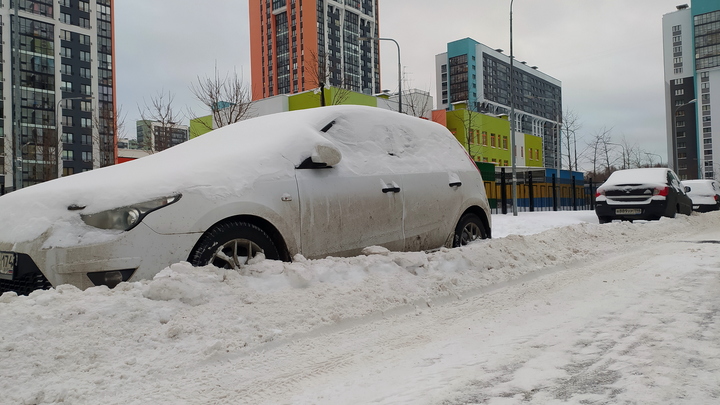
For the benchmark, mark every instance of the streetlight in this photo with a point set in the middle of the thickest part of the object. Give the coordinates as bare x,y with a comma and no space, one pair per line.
623,153
676,163
512,121
58,130
653,154
399,66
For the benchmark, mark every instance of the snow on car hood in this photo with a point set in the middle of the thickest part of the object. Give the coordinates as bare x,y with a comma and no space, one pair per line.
222,164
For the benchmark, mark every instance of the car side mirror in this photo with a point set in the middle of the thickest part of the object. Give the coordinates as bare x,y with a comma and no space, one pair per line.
322,157
325,154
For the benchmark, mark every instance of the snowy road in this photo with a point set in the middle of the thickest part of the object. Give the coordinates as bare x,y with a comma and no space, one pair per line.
627,329
582,314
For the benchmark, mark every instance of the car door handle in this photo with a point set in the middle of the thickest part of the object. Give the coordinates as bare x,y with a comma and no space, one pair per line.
456,184
393,189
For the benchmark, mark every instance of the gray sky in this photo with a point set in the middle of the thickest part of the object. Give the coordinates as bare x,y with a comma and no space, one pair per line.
606,53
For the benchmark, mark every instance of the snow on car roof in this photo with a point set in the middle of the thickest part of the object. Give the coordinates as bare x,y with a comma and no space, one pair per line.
654,175
699,186
224,162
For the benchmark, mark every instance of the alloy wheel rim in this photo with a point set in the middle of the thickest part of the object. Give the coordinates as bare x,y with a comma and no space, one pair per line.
470,233
235,254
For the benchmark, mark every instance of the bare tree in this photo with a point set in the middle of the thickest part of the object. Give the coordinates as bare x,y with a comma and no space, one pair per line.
319,73
107,128
467,119
599,154
228,98
570,125
161,112
417,103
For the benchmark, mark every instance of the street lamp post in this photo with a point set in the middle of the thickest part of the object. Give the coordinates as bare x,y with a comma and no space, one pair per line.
399,66
59,132
512,120
676,162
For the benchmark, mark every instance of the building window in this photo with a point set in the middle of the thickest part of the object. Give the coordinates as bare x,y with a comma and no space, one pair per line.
66,86
679,92
492,140
67,171
67,121
65,52
85,56
484,138
87,156
67,155
85,122
86,139
65,18
66,69
67,137
505,142
678,81
86,106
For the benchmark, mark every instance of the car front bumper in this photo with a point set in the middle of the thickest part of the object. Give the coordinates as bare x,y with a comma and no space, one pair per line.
137,254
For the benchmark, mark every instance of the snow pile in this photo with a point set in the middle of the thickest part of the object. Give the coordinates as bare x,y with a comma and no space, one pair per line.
97,343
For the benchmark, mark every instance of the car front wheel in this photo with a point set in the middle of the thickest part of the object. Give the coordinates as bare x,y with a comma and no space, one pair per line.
231,245
469,228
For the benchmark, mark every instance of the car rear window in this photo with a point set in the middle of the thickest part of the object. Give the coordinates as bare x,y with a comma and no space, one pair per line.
638,176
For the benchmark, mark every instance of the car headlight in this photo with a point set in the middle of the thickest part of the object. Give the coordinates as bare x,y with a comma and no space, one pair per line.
125,218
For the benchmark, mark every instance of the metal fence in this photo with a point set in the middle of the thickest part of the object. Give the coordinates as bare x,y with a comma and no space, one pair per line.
540,193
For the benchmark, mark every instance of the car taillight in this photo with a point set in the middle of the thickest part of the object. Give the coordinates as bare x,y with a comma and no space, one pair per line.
598,193
717,198
664,191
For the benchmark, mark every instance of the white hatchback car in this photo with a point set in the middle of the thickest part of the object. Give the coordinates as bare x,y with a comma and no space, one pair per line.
318,182
705,194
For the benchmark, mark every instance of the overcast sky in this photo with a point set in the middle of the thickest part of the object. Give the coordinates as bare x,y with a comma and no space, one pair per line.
607,53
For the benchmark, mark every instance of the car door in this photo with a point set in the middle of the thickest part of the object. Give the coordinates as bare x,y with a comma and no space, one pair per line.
348,207
683,200
432,202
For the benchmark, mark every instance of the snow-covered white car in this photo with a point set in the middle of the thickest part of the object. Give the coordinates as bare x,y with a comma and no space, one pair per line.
705,194
320,182
645,193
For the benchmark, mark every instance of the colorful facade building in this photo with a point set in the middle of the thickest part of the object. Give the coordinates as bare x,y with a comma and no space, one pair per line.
476,78
298,45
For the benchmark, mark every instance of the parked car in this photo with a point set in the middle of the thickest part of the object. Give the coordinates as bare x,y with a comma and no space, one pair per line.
705,194
648,193
317,182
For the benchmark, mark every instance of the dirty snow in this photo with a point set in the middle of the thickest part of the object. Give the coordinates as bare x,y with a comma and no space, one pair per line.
554,309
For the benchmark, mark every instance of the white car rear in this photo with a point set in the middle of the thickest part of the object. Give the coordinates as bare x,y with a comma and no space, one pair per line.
705,194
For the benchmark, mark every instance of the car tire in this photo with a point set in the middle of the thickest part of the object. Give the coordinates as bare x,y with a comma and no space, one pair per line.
230,245
469,228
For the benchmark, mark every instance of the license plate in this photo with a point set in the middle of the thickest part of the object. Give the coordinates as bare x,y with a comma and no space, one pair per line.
7,264
628,211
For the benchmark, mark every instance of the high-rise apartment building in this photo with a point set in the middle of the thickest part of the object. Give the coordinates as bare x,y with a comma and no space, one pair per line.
296,45
156,136
691,44
58,98
478,77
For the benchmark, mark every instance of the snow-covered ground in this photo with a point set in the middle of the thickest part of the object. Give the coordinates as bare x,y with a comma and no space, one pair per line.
555,309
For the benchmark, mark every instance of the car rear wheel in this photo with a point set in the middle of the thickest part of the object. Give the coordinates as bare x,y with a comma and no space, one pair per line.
231,245
469,228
